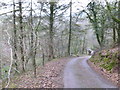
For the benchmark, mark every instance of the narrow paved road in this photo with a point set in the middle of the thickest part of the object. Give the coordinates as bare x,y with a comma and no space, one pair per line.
78,74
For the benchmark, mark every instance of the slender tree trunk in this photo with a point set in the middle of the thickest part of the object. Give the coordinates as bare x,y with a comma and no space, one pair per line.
0,69
98,38
21,36
114,27
14,37
43,57
83,47
96,28
96,25
118,42
62,50
35,53
102,35
33,47
51,52
114,33
69,39
118,30
31,35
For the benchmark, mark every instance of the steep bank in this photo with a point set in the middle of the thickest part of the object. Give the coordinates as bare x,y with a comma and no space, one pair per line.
105,62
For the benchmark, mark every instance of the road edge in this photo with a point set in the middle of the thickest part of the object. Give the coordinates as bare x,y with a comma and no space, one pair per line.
99,72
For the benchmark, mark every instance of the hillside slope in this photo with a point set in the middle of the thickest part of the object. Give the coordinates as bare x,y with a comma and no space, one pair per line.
105,62
48,76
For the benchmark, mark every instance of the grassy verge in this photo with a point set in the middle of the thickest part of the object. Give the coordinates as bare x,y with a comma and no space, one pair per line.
107,59
105,62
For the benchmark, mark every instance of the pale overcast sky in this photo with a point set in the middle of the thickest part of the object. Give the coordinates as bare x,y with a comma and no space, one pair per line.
78,4
82,3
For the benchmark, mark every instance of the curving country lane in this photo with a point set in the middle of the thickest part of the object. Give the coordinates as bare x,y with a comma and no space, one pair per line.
78,74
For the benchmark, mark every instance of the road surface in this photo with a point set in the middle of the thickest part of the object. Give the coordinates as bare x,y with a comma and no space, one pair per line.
78,74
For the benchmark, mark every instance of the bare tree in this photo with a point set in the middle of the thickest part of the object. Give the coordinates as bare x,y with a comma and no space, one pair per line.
33,50
21,37
14,37
69,39
51,51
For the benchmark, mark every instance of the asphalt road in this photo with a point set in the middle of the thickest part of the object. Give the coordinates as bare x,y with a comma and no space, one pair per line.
78,74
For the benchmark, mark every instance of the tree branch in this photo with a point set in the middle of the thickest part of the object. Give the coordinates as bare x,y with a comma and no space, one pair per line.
109,9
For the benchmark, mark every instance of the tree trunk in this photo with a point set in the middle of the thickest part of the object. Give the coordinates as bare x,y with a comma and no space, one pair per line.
102,34
97,35
21,36
114,33
118,30
118,42
33,47
34,53
69,39
83,47
43,57
51,52
117,20
14,37
96,28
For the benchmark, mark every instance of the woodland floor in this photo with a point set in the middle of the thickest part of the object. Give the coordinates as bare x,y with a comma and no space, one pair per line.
49,76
